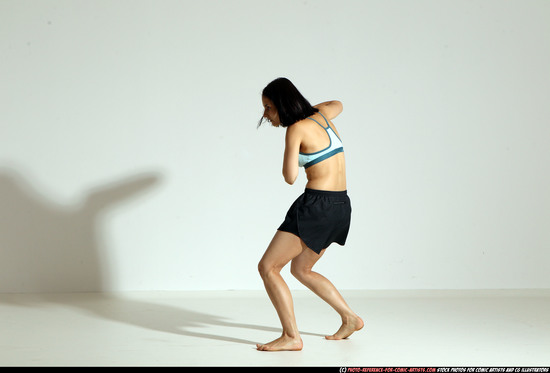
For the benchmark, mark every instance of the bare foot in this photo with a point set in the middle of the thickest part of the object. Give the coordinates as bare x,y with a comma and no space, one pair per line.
349,326
284,343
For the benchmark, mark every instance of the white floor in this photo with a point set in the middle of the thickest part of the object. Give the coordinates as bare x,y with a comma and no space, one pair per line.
403,328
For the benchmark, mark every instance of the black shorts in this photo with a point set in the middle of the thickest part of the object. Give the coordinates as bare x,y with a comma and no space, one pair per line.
319,218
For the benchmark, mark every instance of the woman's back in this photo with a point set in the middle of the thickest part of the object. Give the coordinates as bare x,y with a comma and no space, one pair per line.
330,172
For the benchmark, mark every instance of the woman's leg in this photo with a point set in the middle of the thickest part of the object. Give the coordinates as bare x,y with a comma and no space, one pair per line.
283,248
301,269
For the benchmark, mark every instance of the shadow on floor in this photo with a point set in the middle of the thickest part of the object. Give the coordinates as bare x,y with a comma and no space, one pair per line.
143,314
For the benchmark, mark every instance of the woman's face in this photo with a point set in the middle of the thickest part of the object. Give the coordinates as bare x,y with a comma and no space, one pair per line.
270,112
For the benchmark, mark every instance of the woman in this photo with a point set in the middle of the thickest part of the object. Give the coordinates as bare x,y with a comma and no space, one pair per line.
317,218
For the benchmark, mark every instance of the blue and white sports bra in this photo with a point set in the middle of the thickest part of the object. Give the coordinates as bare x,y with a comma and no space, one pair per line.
309,159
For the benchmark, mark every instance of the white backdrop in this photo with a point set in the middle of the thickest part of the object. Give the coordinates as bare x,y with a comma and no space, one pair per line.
130,159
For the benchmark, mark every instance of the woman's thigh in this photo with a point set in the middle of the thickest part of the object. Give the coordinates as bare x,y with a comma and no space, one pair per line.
283,248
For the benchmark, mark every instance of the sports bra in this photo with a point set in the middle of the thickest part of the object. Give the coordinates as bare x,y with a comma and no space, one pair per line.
309,159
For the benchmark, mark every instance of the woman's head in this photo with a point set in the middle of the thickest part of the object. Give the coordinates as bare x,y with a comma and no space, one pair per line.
283,104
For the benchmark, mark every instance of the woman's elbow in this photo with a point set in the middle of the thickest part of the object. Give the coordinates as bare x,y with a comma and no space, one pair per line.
337,108
290,181
290,178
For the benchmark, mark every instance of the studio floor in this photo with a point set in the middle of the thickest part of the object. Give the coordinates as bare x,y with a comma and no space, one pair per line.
402,328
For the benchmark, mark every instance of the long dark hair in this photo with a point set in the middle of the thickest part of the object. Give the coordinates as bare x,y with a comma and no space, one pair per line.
288,101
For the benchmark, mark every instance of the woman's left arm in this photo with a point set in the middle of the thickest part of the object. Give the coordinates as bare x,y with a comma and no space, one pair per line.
292,149
330,109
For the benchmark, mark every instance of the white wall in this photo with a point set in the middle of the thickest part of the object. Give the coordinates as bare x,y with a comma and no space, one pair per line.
130,159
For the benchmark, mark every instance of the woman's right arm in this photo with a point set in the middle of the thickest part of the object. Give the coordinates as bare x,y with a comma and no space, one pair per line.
330,109
292,148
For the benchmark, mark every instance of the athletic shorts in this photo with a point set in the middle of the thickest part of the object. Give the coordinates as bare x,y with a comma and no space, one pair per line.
319,218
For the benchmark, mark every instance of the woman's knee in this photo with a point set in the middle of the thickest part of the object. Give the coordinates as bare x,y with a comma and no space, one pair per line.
299,271
262,268
266,269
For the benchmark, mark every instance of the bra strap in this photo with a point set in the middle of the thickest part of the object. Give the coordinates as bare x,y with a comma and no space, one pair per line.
316,122
328,124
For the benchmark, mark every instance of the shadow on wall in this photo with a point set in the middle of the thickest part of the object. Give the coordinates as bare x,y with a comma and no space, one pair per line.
45,247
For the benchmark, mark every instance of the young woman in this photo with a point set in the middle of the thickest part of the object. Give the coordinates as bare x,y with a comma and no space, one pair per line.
319,217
